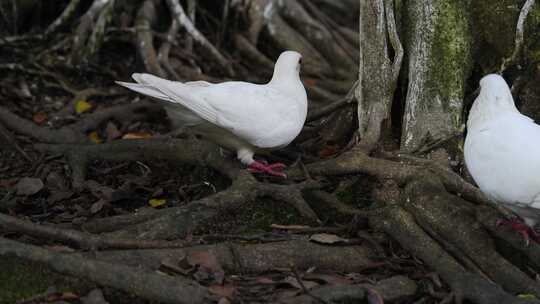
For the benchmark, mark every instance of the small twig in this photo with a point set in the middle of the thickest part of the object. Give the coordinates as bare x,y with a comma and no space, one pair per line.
192,13
8,136
68,12
304,289
518,41
164,49
322,111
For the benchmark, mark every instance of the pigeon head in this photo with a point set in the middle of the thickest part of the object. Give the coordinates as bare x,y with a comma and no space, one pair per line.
494,100
287,66
286,76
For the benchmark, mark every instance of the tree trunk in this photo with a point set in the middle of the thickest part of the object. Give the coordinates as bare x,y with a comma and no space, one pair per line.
438,44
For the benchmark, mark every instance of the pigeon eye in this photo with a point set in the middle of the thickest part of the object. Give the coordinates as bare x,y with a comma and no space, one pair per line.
300,61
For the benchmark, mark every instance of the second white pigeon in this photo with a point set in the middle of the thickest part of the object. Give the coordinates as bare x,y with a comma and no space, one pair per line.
502,152
237,115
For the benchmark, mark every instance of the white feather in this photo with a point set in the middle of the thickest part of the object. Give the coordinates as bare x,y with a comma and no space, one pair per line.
238,115
502,150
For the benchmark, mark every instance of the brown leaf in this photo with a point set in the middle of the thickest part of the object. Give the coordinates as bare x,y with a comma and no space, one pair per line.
58,196
328,151
209,266
112,131
28,186
265,280
289,227
224,291
327,279
39,117
97,206
294,283
137,135
224,301
176,265
326,238
374,297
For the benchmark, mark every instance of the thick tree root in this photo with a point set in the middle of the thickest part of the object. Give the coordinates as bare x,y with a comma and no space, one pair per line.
143,283
254,258
402,226
180,221
76,132
390,290
451,218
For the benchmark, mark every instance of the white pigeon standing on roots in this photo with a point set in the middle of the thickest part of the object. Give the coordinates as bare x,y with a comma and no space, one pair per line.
502,153
237,115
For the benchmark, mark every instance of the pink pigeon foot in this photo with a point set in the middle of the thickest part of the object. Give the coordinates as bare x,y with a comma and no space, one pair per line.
523,229
263,167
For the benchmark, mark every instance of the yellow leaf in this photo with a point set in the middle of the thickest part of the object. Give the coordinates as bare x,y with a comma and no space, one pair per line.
157,202
82,106
526,296
94,137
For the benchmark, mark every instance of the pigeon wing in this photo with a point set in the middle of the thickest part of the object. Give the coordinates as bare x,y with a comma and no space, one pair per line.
259,114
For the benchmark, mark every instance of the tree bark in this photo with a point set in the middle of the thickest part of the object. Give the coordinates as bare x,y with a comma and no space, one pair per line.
439,62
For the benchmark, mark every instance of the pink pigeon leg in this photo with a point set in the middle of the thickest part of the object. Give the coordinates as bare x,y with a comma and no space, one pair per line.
526,232
260,167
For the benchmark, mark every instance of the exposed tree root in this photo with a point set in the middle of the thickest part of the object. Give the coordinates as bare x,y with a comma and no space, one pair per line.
402,226
179,14
143,283
76,132
254,258
178,222
391,289
145,39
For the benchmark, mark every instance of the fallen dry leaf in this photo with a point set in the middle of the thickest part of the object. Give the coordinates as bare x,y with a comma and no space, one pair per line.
28,186
294,283
224,291
94,137
136,135
327,279
39,118
112,131
223,301
59,195
82,106
326,238
157,202
328,151
97,206
373,296
288,227
209,267
176,266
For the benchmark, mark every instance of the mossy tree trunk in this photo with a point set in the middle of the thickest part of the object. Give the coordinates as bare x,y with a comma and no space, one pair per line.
438,46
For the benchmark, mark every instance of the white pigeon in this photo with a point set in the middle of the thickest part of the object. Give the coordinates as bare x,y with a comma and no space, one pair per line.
237,115
502,152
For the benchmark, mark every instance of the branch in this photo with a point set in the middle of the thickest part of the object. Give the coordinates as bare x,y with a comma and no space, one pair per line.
164,49
179,14
518,41
67,14
145,40
85,26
